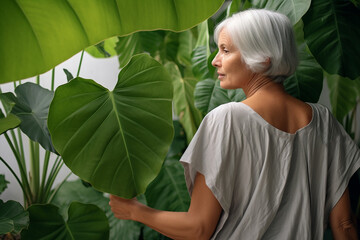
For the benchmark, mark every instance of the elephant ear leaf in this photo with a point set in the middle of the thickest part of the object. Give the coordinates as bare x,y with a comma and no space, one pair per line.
116,140
31,107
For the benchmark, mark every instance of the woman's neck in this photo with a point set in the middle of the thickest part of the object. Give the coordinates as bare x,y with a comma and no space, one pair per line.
259,84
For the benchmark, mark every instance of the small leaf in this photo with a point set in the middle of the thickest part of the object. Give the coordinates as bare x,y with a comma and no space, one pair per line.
85,221
103,49
3,183
69,76
8,100
15,212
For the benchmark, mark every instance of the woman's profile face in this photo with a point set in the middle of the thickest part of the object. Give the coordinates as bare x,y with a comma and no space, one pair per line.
233,72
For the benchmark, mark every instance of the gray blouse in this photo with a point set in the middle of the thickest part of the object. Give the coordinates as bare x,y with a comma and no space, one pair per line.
269,183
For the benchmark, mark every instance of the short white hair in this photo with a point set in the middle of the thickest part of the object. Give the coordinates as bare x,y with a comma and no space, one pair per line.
265,40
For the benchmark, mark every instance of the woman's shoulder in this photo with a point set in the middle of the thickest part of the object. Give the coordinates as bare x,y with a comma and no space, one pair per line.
229,110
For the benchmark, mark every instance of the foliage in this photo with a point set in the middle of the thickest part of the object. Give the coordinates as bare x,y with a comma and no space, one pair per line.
69,28
83,221
13,217
3,183
326,33
95,127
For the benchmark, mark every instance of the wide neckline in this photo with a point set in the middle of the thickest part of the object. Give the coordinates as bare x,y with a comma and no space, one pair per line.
279,130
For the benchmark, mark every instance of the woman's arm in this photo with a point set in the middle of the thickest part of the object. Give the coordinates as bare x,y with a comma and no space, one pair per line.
198,223
342,221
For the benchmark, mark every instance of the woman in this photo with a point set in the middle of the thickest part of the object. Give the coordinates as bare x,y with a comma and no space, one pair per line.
270,167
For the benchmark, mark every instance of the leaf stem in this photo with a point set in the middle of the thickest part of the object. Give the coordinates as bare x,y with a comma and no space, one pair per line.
44,173
58,187
17,179
52,79
34,169
81,59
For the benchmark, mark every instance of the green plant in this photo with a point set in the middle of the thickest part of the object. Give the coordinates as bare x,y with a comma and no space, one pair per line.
320,27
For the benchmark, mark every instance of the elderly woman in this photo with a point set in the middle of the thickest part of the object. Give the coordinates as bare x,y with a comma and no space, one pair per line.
270,167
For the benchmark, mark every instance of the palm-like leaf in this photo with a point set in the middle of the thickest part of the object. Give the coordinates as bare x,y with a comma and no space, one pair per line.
116,140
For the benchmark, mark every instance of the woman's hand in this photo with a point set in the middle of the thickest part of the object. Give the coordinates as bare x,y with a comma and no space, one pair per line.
123,208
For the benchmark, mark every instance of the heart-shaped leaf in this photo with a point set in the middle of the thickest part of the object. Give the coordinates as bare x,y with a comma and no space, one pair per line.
85,221
294,9
116,140
38,35
189,116
32,107
209,95
332,32
12,213
76,191
307,82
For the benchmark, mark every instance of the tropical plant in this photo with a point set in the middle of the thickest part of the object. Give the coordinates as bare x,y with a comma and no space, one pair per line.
326,35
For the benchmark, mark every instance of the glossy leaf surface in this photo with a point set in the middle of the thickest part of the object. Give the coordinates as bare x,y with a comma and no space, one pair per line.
32,107
116,140
38,35
76,191
3,183
332,32
85,221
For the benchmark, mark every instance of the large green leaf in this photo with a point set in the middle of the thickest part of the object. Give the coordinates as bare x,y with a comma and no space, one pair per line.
85,221
294,9
32,107
116,140
103,49
332,32
307,82
13,211
3,183
6,225
76,191
209,95
189,116
38,35
343,94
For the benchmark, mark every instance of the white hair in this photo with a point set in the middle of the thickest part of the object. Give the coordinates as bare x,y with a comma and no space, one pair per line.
265,40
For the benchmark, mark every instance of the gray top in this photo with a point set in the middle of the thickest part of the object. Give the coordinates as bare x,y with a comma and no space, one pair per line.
271,184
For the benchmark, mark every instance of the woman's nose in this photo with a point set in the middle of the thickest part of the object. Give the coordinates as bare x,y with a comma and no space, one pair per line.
216,61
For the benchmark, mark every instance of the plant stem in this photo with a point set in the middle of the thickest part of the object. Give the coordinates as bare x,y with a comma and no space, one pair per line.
52,79
34,169
27,192
44,173
81,59
38,79
52,178
16,144
22,155
58,187
17,179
